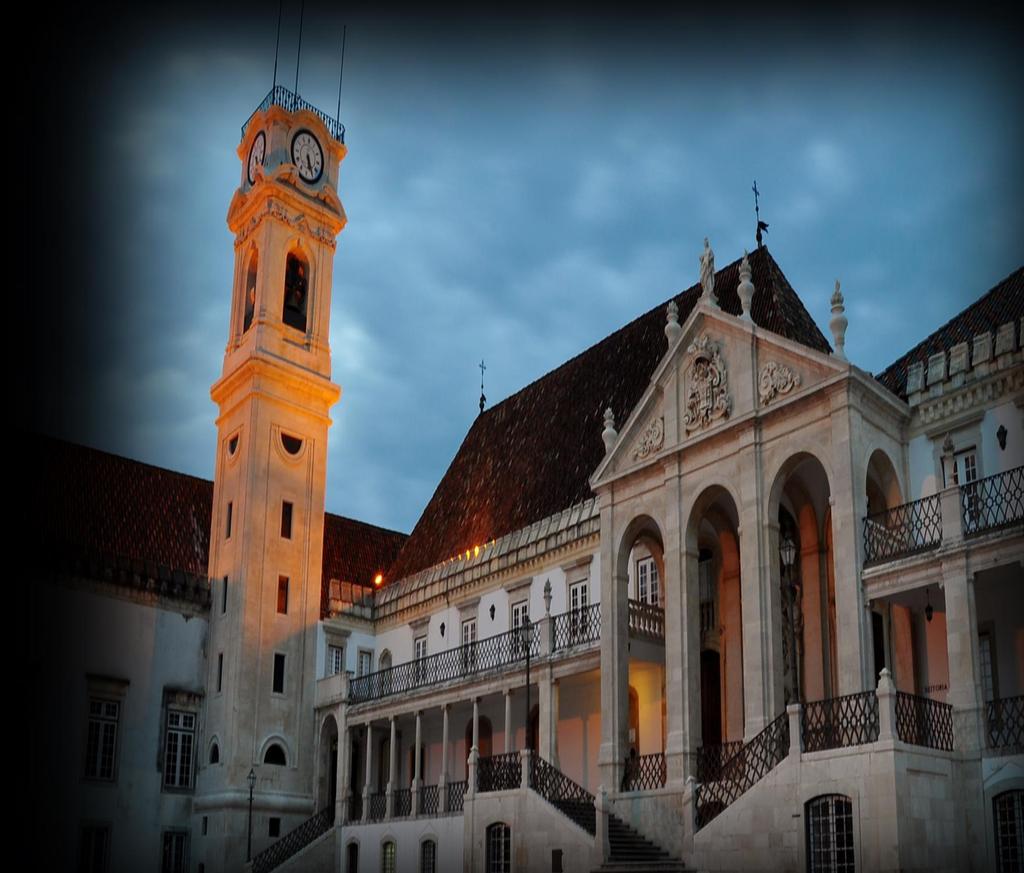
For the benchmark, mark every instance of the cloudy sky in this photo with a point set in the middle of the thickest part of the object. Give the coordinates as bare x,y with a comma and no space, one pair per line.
516,190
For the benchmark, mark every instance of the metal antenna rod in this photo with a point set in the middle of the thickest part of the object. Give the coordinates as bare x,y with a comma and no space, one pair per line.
277,45
483,400
298,55
341,78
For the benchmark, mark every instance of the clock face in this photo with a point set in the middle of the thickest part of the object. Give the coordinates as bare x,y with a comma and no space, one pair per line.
257,152
307,156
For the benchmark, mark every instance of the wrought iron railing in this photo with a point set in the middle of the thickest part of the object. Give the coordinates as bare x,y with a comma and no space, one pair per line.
558,789
1005,718
293,841
287,99
499,772
355,807
743,770
456,795
378,806
482,656
850,720
993,502
922,721
903,530
711,759
576,627
644,773
429,800
401,805
646,620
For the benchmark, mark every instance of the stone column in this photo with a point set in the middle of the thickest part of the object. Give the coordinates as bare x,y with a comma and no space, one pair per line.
389,800
547,690
342,778
962,652
886,692
369,772
508,720
614,655
416,775
601,835
677,740
442,789
476,725
793,712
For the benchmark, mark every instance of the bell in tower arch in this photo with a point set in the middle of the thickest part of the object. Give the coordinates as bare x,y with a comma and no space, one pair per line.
250,292
296,292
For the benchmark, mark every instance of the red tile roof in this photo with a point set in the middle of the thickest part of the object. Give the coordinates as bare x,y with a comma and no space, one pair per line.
113,512
1005,302
532,455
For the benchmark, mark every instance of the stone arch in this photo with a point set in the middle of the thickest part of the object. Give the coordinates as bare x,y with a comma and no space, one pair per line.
249,287
297,286
327,762
272,741
882,483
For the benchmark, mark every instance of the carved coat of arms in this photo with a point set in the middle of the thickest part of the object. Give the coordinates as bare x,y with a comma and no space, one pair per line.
707,385
775,379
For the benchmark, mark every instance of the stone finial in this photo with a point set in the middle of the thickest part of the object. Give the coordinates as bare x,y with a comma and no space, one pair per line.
609,434
948,446
547,597
745,289
837,323
707,273
672,328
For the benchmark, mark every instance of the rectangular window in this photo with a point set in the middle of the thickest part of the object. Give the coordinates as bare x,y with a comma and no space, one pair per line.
469,631
227,525
365,663
647,587
179,749
335,660
175,855
274,827
279,673
286,520
419,655
282,595
224,597
94,849
578,615
220,672
989,685
205,825
101,746
520,615
469,644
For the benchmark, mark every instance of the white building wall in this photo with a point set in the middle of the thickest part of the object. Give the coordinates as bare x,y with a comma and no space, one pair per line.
408,835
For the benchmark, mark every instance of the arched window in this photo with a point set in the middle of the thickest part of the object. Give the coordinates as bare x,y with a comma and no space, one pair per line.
296,292
499,848
428,857
830,834
1008,811
214,754
250,292
387,857
274,755
353,857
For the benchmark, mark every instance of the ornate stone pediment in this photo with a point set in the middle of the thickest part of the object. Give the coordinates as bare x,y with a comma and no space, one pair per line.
706,385
651,440
775,379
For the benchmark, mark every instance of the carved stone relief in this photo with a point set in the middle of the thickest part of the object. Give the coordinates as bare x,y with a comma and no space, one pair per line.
775,379
651,440
707,385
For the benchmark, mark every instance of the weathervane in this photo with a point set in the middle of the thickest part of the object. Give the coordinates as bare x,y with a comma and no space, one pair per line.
483,399
761,225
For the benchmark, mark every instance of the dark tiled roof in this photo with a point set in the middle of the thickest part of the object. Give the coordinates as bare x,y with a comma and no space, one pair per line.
108,514
532,455
1003,303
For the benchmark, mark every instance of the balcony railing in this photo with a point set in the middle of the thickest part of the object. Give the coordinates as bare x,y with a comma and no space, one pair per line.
355,807
560,791
711,759
292,102
993,502
456,795
922,721
430,796
499,772
378,806
646,620
903,530
851,720
294,841
482,656
402,803
1005,719
644,773
577,627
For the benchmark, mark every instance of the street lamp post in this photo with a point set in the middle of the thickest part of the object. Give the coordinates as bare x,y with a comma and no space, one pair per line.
526,632
252,785
787,551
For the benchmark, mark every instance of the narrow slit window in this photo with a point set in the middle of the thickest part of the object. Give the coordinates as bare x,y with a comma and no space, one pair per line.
282,595
224,597
227,526
279,674
286,520
220,671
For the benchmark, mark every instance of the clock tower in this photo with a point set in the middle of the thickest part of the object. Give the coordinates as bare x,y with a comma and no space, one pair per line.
266,546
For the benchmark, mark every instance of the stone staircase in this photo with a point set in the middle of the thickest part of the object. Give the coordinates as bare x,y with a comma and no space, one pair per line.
294,842
631,852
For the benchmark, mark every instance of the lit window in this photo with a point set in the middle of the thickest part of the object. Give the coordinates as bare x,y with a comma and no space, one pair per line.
101,747
335,660
179,745
387,857
282,595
